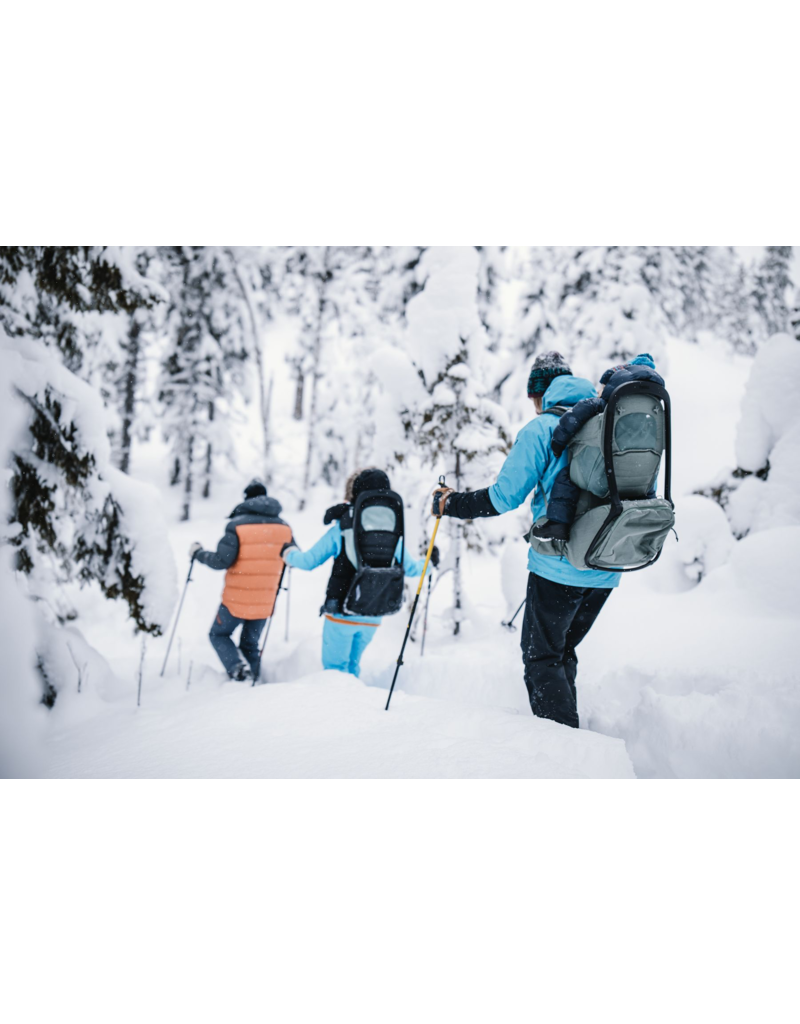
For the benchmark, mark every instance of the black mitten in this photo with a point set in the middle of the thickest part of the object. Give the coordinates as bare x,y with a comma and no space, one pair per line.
335,512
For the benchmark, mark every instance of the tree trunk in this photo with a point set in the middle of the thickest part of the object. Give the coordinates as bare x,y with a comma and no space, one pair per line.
129,382
207,466
298,394
267,437
265,397
176,472
187,486
315,375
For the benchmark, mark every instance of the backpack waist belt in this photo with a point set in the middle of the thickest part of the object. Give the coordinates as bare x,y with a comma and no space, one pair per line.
351,622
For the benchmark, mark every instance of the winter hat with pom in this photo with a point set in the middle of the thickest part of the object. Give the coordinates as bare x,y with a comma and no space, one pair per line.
254,489
546,367
645,359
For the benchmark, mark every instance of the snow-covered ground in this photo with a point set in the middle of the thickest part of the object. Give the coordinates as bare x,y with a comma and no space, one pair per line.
676,678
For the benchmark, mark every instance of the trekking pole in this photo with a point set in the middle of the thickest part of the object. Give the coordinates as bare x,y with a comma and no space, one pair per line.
180,606
288,595
510,624
416,602
425,620
269,623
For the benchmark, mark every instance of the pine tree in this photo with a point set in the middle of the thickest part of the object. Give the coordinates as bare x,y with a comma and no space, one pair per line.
202,366
456,427
772,282
519,297
128,384
73,520
608,313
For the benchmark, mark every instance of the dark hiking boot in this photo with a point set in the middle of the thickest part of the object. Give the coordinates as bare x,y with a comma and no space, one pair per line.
551,531
242,673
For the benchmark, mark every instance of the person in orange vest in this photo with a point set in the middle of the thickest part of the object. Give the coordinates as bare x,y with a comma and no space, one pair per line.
250,551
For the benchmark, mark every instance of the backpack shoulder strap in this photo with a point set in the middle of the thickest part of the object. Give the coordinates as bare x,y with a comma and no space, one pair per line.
557,410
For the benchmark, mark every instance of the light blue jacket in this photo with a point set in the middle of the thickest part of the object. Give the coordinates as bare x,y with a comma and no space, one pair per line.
532,464
330,544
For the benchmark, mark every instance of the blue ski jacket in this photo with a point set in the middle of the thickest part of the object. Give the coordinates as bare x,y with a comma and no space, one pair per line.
532,465
330,545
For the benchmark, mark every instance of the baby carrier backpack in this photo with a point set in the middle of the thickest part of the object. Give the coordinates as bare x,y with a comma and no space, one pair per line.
370,535
615,459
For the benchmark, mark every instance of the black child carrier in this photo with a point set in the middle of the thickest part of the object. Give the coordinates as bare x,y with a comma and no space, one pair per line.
614,459
370,545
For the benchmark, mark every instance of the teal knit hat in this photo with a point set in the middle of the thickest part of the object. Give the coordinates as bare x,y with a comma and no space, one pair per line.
546,367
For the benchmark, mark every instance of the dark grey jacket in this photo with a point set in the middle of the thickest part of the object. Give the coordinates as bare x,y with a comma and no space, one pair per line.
255,510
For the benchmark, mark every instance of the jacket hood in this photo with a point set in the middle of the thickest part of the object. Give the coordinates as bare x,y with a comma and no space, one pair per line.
261,505
568,391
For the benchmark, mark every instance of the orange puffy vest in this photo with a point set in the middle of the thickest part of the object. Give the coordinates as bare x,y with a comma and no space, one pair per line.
251,583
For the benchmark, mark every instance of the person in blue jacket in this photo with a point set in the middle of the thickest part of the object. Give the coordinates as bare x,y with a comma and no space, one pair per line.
562,602
346,637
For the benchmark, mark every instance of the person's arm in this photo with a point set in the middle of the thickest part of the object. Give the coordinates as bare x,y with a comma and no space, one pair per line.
226,554
572,421
328,546
470,504
411,566
518,476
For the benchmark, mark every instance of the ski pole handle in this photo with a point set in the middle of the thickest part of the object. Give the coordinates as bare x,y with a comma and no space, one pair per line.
437,496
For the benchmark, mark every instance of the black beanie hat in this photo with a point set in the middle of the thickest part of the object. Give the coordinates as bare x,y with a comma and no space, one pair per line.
546,367
254,489
371,480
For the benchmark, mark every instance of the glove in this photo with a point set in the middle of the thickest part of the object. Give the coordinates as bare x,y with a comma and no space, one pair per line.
435,556
194,549
335,512
557,448
440,496
288,546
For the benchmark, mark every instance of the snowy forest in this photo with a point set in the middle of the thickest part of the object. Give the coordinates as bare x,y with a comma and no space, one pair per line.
145,387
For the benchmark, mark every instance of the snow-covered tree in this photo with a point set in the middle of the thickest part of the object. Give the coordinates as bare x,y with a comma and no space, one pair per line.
75,518
763,491
21,692
348,301
771,288
456,427
259,273
202,365
607,313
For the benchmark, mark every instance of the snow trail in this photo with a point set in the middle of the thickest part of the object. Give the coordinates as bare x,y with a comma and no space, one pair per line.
694,680
326,725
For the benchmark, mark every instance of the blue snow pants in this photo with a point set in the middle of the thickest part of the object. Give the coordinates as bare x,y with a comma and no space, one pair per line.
343,643
220,637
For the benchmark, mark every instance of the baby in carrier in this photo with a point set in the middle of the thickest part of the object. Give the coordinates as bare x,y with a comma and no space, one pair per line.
564,495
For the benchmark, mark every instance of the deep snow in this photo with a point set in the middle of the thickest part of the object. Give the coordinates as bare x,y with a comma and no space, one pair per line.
676,678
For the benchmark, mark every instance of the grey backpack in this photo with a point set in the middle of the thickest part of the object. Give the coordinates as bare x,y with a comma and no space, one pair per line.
614,459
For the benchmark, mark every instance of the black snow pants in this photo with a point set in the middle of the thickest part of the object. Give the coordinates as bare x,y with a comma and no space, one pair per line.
557,618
